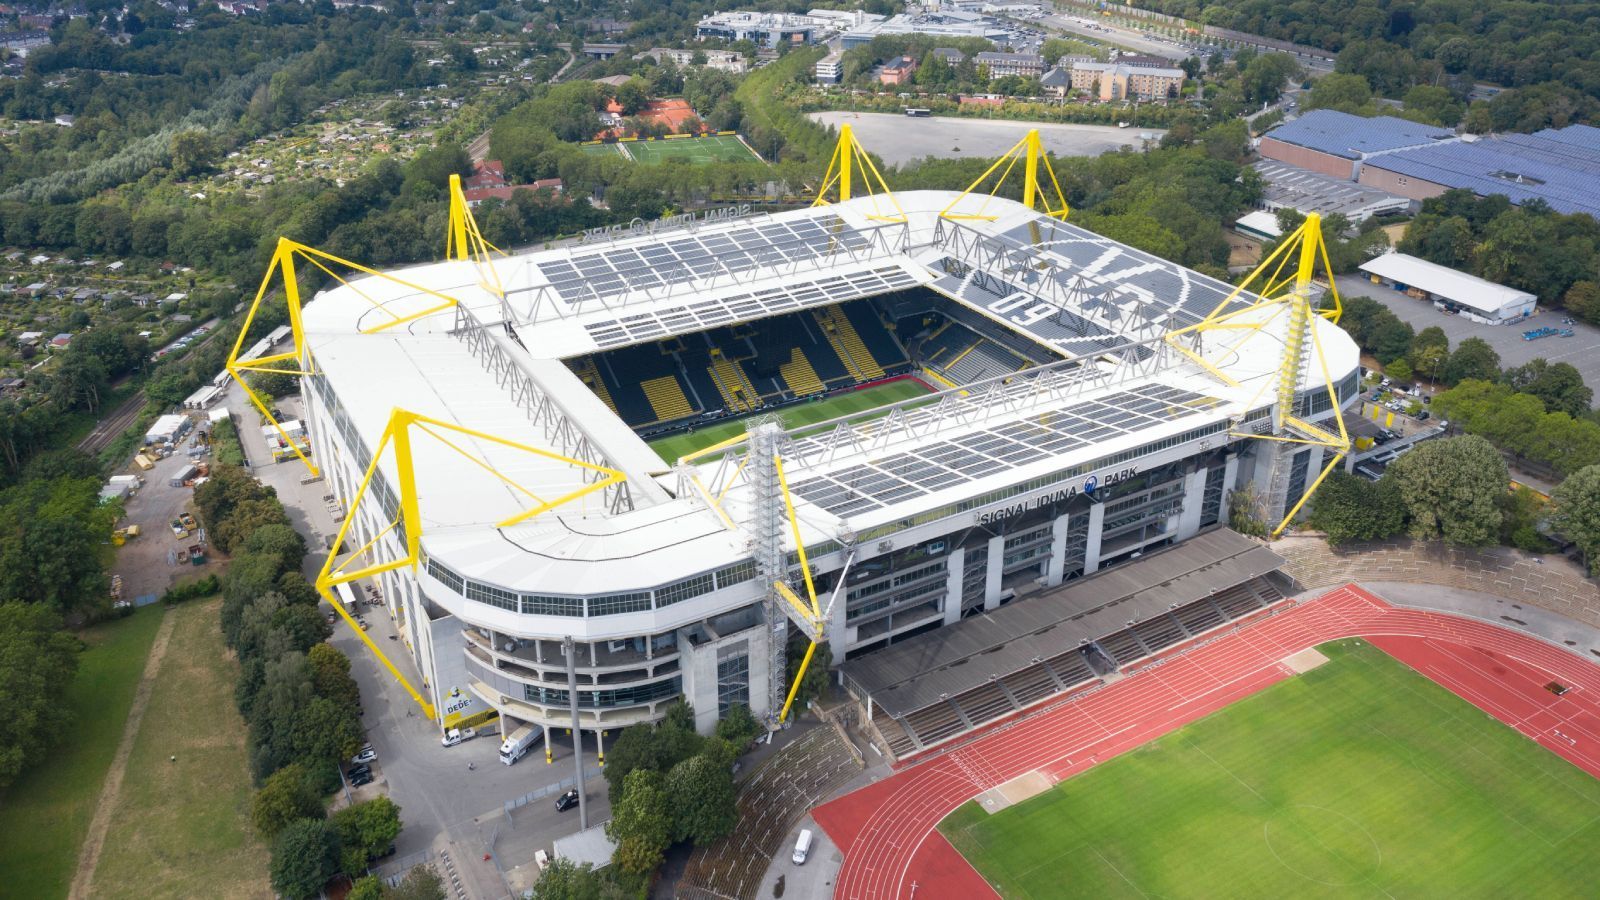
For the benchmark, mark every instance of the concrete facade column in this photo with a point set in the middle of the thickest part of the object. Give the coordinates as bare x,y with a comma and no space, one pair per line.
1091,549
549,754
991,583
1056,567
600,746
1194,500
955,563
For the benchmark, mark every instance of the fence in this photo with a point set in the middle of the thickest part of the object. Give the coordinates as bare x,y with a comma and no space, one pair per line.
549,790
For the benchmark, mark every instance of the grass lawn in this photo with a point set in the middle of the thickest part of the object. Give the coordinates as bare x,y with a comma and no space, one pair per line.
713,148
1358,779
183,829
45,814
600,149
677,445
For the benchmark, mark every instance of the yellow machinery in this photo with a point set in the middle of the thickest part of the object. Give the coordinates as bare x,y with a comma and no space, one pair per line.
1288,296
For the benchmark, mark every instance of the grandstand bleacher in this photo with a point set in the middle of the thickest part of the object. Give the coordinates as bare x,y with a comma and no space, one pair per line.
941,684
734,370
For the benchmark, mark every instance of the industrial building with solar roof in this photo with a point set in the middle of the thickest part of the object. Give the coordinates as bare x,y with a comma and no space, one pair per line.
1064,416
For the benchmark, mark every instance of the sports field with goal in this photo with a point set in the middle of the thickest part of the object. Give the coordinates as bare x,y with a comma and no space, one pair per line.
1360,778
678,445
711,148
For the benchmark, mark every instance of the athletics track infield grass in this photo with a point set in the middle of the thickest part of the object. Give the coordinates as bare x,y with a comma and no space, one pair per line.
1360,778
677,445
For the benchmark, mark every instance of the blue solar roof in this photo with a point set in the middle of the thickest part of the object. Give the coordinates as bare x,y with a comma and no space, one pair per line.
1342,134
1560,167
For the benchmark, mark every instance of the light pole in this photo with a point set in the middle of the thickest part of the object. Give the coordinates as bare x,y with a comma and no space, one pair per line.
569,649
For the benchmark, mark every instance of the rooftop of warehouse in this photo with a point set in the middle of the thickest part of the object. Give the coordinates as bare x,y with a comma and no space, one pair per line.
1354,137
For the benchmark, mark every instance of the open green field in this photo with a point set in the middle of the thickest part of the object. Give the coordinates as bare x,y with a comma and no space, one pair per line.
678,445
45,814
712,148
182,829
1357,779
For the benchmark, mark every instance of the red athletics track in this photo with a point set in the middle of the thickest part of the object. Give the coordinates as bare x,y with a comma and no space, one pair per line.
887,830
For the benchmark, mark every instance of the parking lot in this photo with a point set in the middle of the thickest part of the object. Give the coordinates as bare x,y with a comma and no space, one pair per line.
445,804
1581,351
901,139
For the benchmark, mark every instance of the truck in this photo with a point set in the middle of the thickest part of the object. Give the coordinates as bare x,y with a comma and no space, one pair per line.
457,736
517,745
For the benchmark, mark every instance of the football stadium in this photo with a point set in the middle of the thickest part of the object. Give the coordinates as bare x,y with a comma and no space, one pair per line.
918,428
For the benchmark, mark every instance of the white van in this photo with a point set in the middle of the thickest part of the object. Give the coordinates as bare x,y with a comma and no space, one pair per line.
802,847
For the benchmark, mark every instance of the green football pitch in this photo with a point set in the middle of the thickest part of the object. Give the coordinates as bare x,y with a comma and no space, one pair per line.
1360,778
678,445
712,148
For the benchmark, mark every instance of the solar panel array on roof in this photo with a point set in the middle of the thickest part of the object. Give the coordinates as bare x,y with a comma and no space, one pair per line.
692,257
1352,137
935,465
704,314
1561,167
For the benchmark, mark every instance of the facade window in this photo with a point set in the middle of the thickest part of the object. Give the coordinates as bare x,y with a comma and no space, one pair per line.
733,682
605,699
538,605
491,595
1211,502
619,603
736,574
683,590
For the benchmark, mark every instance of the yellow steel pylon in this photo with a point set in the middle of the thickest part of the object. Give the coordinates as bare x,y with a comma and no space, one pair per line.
292,362
1306,245
809,612
1034,195
847,157
398,433
465,243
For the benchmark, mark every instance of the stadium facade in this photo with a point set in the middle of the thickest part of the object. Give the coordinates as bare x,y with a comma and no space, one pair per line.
1065,432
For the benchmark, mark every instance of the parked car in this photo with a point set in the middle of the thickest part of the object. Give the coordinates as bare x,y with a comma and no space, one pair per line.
567,801
361,780
365,756
362,769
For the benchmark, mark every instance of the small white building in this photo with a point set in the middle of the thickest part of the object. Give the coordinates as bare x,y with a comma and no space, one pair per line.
1450,289
167,429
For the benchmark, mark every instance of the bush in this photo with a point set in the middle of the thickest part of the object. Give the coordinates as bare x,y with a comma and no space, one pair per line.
192,590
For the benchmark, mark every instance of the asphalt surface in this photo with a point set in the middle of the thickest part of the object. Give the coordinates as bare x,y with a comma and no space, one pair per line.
1581,351
901,139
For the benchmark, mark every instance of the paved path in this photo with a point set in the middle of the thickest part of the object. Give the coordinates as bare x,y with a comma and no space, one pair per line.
100,825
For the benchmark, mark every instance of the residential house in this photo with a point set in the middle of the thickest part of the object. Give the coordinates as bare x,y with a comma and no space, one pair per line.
999,65
897,71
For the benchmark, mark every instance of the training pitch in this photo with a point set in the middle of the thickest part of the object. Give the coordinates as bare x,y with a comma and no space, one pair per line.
712,148
1359,778
671,448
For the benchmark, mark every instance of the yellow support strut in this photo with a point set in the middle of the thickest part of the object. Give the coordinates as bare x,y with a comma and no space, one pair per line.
1030,151
398,434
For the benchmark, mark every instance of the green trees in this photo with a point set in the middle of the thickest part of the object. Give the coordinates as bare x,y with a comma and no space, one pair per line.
37,662
1451,489
51,531
701,797
1473,359
1558,385
1529,247
304,856
1342,91
641,822
286,797
1429,351
1519,424
1575,511
1348,508
365,831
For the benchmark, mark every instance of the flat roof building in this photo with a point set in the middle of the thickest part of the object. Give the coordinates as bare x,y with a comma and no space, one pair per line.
1291,187
1559,166
1119,80
1027,65
1450,289
1338,143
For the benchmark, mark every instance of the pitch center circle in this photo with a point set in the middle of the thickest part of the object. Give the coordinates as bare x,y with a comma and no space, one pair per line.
1322,845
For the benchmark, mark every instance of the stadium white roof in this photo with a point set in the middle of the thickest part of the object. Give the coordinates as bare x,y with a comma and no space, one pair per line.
1442,281
1090,299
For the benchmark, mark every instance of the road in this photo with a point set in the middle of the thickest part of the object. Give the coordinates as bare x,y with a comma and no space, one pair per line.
899,139
1581,351
1128,38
